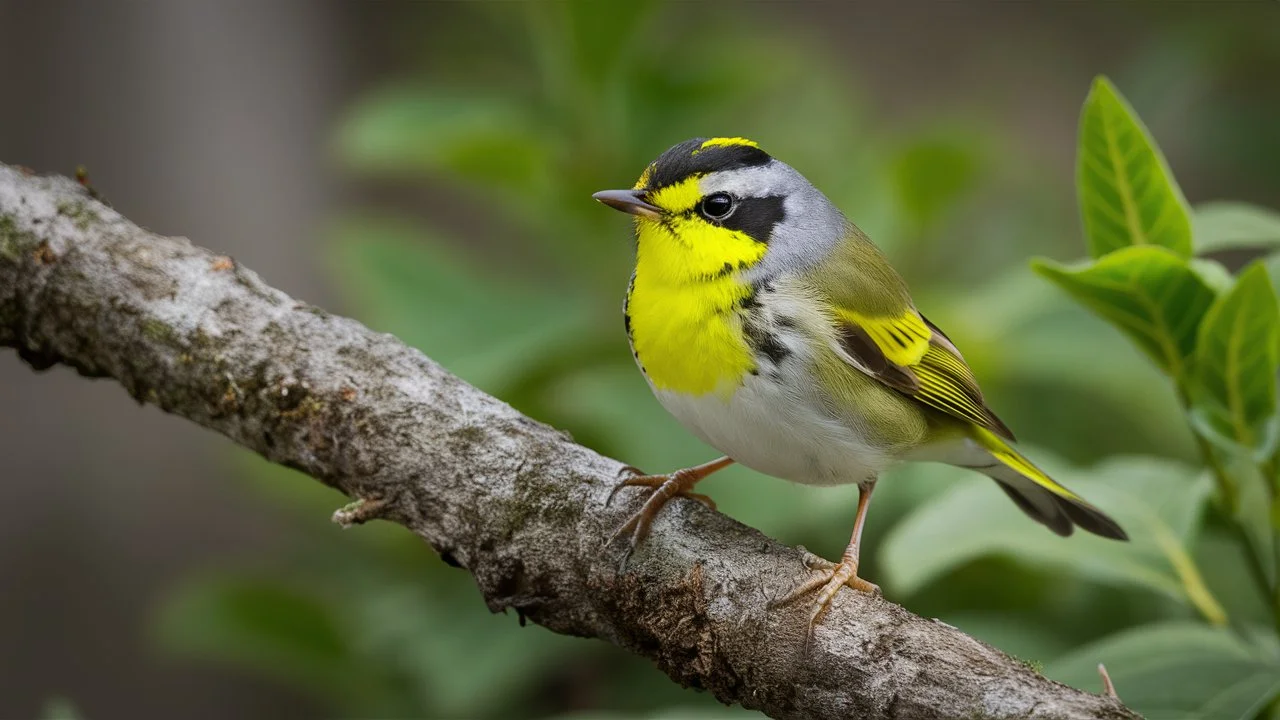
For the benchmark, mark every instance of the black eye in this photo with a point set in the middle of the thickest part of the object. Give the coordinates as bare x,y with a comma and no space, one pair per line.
717,206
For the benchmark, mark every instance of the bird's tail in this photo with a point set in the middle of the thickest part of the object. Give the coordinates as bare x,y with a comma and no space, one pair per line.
1038,495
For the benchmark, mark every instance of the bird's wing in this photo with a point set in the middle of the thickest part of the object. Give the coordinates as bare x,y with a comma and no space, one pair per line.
880,332
909,354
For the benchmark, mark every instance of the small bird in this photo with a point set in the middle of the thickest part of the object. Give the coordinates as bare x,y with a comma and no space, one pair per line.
773,329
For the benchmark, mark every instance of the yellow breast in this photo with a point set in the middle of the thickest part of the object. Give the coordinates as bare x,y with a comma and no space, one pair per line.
689,339
683,308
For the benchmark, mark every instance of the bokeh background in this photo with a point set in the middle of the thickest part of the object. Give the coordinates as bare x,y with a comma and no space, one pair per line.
427,168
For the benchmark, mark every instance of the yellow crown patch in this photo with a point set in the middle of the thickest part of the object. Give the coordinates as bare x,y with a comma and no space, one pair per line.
727,142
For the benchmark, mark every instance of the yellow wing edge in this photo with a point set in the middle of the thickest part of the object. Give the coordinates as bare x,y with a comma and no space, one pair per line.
921,362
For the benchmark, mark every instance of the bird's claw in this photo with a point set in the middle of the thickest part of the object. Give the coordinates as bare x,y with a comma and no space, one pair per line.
831,577
664,488
814,561
630,476
628,471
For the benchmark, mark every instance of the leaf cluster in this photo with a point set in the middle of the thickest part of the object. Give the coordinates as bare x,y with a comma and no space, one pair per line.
1216,337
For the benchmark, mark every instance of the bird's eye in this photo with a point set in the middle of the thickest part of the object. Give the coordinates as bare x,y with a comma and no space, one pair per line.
717,206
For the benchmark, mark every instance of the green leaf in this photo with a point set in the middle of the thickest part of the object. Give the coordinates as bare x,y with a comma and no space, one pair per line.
1236,360
1213,273
624,418
931,175
1233,575
486,139
488,329
1023,634
1056,338
1158,503
1225,225
1253,514
454,652
261,625
1127,194
594,38
1149,293
1177,671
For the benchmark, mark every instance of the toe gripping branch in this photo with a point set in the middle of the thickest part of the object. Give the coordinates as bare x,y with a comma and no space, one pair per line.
663,489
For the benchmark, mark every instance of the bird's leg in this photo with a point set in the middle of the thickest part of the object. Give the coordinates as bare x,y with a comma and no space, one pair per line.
836,575
665,487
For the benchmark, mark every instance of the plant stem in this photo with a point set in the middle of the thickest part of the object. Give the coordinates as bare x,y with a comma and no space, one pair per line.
1192,582
1231,500
1227,487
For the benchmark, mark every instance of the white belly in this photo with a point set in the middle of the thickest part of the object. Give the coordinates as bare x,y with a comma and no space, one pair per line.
779,430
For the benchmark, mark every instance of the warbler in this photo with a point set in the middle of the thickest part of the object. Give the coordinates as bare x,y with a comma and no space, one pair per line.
772,328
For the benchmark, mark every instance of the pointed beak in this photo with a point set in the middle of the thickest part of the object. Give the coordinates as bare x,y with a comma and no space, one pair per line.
629,201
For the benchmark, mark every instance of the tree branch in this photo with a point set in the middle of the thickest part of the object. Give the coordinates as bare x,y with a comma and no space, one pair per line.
515,502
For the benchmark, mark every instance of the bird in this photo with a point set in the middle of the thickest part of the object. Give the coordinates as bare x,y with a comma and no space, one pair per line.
778,333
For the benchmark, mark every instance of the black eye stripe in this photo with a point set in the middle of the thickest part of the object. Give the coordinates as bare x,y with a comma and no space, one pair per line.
756,216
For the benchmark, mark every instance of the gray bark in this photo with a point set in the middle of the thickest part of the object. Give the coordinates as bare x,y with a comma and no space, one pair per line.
515,502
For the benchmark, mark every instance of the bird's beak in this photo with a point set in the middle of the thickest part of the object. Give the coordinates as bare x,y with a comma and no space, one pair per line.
629,201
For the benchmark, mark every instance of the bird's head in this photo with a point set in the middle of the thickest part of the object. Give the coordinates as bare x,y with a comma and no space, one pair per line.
711,207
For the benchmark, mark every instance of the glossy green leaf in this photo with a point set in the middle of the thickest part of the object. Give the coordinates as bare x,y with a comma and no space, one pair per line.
1127,194
1149,293
1157,502
1225,225
1236,360
1177,671
1212,273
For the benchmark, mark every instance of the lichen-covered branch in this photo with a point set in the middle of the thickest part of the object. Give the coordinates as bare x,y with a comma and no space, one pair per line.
515,502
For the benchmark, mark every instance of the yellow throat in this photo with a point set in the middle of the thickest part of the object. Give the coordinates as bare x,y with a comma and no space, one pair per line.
682,308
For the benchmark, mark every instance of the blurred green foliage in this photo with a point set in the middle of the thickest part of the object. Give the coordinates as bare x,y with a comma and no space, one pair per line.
515,283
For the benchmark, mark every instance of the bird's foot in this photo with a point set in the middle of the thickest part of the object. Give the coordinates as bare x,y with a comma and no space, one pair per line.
831,577
664,488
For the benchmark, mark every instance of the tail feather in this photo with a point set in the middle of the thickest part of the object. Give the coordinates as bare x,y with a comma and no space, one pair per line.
1040,506
1038,495
1092,519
